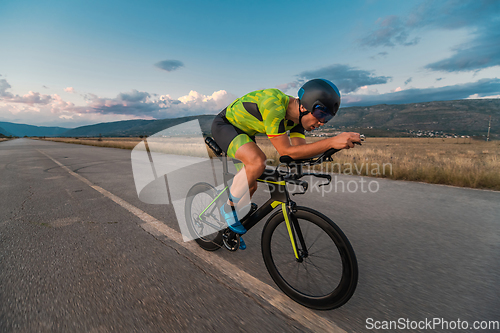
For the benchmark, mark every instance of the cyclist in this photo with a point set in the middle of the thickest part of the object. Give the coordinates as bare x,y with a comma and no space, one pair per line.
272,112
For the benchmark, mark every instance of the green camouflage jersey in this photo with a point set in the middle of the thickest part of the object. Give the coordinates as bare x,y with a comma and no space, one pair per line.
263,111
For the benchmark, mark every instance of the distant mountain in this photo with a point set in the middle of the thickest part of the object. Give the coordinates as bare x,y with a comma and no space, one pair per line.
4,133
137,127
30,130
159,125
465,117
117,128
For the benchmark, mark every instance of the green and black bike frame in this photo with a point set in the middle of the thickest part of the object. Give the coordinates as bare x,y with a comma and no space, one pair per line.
280,196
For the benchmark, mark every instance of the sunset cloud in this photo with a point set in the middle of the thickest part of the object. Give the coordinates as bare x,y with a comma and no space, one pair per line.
128,105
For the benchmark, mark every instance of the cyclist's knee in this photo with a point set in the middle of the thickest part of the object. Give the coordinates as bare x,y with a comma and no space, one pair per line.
253,158
258,164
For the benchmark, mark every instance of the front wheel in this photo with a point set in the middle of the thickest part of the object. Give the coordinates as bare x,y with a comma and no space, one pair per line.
326,276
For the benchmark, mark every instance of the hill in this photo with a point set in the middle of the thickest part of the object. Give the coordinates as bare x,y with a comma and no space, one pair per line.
137,127
30,130
464,117
117,128
4,133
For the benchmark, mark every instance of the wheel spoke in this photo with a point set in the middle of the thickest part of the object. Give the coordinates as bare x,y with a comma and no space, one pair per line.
290,268
329,247
319,257
311,277
319,269
315,241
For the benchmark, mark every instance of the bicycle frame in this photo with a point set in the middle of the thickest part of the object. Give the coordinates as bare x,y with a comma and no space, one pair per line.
279,196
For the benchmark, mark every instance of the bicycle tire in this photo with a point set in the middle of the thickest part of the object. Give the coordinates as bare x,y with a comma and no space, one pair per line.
197,199
338,280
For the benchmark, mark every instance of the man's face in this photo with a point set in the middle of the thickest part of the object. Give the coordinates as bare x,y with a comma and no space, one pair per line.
310,122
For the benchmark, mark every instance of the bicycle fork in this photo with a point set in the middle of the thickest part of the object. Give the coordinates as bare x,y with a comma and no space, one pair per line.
294,231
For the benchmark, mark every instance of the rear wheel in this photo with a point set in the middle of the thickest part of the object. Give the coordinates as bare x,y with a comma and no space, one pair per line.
327,275
204,224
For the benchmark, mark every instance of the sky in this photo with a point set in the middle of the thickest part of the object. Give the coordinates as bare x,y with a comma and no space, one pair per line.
74,63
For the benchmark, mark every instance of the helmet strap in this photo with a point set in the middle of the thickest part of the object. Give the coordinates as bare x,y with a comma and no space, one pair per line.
301,114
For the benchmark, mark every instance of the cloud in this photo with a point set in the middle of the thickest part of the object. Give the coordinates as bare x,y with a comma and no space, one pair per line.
30,98
134,96
4,85
366,91
53,110
380,54
195,103
141,104
481,88
477,96
286,86
408,81
391,31
451,15
70,90
346,78
480,17
169,65
481,52
131,103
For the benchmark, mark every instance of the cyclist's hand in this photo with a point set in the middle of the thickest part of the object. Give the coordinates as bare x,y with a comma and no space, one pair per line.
345,140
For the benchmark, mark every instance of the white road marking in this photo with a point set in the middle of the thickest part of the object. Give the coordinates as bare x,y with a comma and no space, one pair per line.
281,302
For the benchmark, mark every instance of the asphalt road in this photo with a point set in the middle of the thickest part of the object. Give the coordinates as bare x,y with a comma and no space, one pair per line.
72,259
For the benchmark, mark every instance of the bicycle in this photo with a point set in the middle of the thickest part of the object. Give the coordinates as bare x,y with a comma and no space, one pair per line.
318,245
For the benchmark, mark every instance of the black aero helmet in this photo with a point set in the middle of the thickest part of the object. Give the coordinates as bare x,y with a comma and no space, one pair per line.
321,98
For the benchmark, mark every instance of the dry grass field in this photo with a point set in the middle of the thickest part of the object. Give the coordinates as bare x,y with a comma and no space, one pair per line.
4,139
459,162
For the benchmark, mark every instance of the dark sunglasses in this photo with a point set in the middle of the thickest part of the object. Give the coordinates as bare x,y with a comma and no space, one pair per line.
322,113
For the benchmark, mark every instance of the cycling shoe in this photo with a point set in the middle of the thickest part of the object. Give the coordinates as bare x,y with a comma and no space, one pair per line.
243,246
232,221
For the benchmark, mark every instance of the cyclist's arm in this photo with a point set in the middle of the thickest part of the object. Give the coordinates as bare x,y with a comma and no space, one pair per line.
298,141
342,141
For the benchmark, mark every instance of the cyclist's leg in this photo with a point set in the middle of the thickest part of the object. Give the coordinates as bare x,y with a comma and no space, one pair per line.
230,139
237,144
245,180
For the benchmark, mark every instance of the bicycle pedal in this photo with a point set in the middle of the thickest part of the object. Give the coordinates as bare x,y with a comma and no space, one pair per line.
230,240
